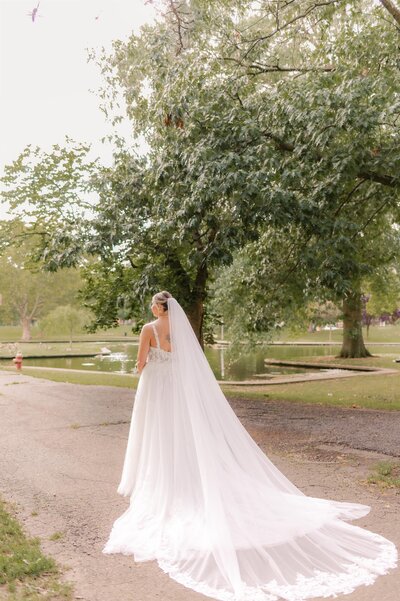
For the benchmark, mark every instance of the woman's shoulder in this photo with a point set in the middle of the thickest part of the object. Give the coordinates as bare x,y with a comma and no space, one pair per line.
148,326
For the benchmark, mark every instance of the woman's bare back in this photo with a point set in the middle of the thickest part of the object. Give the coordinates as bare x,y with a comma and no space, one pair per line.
162,327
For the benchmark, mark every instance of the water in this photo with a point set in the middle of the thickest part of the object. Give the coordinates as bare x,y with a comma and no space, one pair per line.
249,366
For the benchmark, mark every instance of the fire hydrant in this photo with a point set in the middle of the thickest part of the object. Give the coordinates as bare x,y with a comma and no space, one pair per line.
18,361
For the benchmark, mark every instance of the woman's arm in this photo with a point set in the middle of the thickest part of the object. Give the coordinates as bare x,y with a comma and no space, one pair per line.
144,345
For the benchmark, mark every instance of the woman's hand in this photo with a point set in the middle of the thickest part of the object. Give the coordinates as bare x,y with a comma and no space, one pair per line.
139,367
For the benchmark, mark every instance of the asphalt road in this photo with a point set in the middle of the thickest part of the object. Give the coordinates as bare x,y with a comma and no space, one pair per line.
61,453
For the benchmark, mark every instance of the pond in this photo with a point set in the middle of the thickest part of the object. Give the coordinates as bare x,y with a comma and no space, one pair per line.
251,365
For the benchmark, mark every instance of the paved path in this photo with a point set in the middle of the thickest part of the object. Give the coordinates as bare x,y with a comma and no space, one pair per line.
295,426
61,452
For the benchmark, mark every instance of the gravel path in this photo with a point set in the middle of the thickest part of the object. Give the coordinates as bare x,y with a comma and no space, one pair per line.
61,453
357,429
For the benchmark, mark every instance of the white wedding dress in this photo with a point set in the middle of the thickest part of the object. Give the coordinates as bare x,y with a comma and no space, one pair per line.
213,510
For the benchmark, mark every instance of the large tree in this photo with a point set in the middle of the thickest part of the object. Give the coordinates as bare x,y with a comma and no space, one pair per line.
335,130
28,294
262,128
239,144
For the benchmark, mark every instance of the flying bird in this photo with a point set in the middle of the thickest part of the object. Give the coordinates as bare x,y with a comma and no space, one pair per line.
34,13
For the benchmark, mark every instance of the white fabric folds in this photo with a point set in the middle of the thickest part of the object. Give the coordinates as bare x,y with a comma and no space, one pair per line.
213,510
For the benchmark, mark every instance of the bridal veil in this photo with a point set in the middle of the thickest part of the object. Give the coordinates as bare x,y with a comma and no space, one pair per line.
214,511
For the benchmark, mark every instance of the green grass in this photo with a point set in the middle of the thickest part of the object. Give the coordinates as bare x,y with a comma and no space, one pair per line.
8,333
376,334
386,475
49,349
364,391
89,378
368,392
382,357
26,574
14,333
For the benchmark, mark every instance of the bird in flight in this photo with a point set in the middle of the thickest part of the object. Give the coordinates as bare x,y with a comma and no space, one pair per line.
34,13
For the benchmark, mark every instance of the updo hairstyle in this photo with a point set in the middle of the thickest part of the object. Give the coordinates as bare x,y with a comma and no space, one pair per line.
161,298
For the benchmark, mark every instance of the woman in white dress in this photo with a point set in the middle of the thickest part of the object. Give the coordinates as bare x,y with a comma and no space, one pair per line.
208,504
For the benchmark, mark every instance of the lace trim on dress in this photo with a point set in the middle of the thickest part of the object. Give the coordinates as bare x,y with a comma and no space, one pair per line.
322,584
158,355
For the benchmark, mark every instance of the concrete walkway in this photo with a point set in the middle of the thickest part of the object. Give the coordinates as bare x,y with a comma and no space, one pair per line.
61,453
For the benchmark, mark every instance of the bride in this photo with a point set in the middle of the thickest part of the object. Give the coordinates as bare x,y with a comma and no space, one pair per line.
208,504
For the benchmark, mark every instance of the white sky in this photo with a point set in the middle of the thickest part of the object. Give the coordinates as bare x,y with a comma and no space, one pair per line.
44,74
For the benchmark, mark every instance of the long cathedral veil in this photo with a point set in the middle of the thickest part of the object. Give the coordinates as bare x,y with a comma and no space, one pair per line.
223,520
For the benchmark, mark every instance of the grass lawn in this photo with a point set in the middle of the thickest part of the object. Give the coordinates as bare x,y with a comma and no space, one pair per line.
384,357
364,391
389,333
25,573
80,377
49,349
14,333
368,392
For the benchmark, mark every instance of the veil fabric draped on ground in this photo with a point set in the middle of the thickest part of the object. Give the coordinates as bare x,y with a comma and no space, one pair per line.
213,510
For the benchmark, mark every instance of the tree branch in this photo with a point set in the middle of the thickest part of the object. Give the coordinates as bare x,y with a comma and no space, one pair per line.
374,214
379,178
262,68
392,8
279,27
38,302
180,23
347,198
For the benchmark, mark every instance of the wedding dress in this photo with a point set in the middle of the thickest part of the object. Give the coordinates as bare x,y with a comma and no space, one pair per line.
213,510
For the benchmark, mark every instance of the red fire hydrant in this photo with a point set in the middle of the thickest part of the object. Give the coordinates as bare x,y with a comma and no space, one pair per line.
18,361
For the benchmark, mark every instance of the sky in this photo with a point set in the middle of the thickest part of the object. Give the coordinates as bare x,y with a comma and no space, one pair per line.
45,79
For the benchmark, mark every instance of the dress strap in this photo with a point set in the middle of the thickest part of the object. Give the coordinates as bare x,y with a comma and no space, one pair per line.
156,335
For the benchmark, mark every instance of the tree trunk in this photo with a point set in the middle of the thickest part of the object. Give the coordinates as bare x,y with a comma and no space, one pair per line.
196,307
26,328
353,342
392,8
196,315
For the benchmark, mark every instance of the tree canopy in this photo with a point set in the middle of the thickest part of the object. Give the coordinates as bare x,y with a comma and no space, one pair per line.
272,150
